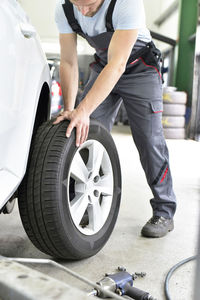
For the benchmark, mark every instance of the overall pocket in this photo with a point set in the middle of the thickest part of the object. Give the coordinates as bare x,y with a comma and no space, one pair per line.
156,118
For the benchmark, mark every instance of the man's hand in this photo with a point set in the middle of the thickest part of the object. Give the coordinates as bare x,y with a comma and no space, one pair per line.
79,119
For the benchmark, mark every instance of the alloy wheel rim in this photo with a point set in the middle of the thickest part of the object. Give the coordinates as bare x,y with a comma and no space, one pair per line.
90,187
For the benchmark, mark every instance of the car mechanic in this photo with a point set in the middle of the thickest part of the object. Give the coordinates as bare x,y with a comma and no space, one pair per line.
126,68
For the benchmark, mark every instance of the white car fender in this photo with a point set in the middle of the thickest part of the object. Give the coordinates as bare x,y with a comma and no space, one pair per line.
24,71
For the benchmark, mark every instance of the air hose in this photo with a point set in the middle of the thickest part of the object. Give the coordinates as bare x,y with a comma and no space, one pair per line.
170,273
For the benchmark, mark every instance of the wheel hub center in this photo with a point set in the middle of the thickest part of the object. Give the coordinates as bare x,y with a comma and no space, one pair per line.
91,188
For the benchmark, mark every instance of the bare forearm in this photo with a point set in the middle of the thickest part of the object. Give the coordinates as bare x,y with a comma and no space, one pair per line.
102,87
69,84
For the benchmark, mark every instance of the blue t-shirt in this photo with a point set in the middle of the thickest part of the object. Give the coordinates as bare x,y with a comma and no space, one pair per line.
127,14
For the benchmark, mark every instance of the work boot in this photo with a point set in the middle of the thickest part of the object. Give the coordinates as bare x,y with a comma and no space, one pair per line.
157,227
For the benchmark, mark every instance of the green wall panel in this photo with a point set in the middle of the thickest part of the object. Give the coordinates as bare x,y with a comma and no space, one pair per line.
185,53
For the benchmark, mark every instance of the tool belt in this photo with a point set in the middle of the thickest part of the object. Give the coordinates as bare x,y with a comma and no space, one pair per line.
149,53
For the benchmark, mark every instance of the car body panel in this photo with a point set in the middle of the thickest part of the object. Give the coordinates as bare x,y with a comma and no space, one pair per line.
23,72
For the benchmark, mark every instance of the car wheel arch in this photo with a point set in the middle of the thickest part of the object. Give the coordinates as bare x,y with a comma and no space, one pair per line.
43,107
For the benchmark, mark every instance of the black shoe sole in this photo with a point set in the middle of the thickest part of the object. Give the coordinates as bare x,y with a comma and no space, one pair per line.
147,233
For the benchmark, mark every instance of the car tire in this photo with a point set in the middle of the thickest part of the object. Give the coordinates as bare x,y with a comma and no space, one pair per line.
174,97
174,133
174,109
69,198
173,121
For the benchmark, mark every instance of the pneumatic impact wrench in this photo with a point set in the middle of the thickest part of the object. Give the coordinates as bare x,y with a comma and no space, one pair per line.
121,283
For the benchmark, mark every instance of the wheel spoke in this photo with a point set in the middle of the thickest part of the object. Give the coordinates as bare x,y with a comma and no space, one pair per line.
106,203
96,152
95,216
79,170
78,207
105,185
80,187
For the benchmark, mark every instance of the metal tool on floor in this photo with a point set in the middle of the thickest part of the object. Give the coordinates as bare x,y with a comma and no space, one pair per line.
44,261
121,283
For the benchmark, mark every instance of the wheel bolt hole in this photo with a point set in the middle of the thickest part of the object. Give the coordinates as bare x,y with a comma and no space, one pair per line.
96,179
96,193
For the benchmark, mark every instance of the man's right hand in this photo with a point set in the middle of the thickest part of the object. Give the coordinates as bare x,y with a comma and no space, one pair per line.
78,118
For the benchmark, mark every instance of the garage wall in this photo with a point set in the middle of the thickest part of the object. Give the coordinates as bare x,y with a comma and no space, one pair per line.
41,14
170,26
154,9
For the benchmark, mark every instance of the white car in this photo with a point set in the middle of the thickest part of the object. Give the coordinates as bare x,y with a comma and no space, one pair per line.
68,197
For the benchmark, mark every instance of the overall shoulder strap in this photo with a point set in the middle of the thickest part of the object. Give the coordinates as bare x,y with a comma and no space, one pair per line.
69,13
109,23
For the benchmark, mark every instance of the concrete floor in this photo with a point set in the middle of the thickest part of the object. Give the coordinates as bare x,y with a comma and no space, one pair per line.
126,247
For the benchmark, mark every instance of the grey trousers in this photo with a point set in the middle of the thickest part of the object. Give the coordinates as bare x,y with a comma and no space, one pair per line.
141,93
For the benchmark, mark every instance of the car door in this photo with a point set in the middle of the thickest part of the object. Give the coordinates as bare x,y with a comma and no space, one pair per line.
21,68
12,53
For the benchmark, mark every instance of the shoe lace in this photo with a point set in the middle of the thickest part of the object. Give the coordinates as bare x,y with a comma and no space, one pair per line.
155,220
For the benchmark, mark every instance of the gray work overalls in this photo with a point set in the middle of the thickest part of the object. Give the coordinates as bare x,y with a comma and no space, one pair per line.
140,88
